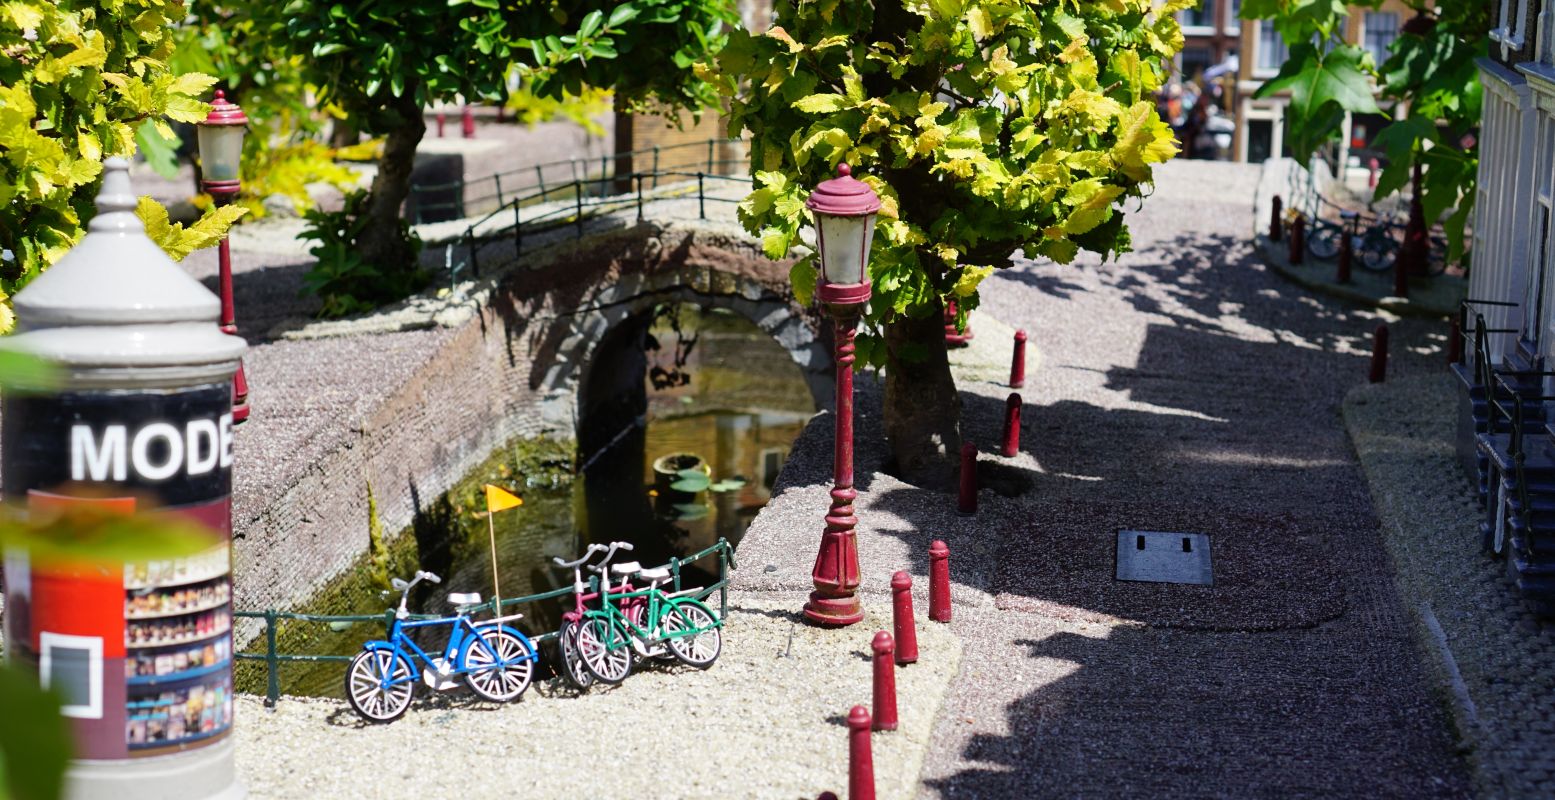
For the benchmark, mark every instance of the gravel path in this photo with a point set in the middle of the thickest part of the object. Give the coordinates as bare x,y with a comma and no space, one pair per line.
1498,659
1183,388
765,721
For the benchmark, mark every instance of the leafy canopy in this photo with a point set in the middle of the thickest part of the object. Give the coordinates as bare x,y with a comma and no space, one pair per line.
1429,70
367,58
984,125
79,81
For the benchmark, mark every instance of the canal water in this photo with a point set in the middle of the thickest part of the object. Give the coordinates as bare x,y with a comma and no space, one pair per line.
691,392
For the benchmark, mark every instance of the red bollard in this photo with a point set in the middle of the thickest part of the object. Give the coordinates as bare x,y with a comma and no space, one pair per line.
1346,257
1371,173
502,112
1400,276
1018,362
1298,239
467,122
1274,218
1011,425
885,682
902,623
1454,342
953,337
861,764
442,120
939,582
966,503
826,796
1379,353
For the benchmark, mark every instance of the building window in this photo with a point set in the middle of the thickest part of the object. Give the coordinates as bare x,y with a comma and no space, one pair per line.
73,667
1233,24
1201,17
1195,60
1272,51
771,465
1381,29
1510,30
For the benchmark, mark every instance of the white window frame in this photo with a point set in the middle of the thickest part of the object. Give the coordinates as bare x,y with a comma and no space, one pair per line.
1258,70
1505,34
1196,30
1398,25
1232,25
47,642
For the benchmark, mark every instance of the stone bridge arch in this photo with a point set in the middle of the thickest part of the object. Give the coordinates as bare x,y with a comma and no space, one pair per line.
562,305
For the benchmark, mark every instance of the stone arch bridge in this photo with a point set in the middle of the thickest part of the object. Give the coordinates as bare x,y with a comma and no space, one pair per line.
512,360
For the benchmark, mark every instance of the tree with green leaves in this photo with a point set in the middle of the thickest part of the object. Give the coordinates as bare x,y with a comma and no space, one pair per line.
986,126
79,81
384,62
1429,71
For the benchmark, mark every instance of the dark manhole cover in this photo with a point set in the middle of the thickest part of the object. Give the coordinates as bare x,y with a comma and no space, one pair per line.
1159,557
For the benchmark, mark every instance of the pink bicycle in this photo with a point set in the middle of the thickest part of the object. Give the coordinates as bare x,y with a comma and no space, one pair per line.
572,668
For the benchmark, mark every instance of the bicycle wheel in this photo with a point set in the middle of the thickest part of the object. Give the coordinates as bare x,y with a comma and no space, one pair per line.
365,689
1323,244
500,668
699,649
572,669
1377,252
606,665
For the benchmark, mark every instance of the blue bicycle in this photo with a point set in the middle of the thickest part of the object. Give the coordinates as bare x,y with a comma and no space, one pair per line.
495,661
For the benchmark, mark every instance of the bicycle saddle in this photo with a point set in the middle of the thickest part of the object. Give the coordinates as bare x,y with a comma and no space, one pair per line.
464,598
656,574
626,568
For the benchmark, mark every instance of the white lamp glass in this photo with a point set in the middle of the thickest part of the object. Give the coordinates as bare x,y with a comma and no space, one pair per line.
845,246
221,151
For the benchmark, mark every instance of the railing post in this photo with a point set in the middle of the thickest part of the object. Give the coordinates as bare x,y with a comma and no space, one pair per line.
723,580
497,179
711,143
272,664
639,180
655,166
475,261
675,571
577,194
701,198
540,181
518,231
604,171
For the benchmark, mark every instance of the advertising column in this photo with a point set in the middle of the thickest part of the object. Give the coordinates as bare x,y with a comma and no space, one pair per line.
142,654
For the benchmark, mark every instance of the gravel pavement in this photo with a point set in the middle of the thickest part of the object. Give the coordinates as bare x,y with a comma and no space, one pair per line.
1496,658
765,721
1184,387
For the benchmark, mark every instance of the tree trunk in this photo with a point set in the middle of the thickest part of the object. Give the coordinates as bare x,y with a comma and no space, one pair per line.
380,240
922,407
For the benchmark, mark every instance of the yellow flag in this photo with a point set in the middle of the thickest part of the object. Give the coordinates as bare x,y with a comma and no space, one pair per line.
498,499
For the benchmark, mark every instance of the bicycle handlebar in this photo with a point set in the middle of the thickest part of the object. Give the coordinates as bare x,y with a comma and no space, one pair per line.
587,554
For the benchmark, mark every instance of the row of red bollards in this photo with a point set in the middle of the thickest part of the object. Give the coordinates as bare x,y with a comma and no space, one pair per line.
466,122
889,653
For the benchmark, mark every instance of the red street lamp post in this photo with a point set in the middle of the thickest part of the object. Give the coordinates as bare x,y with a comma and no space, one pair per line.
844,209
221,157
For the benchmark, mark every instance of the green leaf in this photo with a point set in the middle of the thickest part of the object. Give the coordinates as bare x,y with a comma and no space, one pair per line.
161,153
1315,79
35,741
621,15
727,485
821,103
691,481
802,276
590,23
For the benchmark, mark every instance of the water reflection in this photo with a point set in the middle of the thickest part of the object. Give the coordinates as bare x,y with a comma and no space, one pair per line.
708,386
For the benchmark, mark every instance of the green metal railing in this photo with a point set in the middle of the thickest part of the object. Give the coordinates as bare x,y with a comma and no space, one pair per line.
271,617
510,184
580,211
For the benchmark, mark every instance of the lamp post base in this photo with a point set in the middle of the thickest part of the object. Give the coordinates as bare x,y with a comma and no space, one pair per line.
835,611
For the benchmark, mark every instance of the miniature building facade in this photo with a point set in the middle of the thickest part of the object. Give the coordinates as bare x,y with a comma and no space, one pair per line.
1508,320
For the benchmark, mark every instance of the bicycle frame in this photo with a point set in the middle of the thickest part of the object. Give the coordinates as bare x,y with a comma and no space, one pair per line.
649,635
460,637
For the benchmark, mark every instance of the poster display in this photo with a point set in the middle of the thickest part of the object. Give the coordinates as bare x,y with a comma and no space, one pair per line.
142,654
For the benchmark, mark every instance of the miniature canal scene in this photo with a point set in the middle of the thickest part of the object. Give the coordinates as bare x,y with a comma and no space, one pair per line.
776,399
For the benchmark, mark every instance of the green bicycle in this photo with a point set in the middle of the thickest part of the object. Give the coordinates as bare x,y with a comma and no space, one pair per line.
610,641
